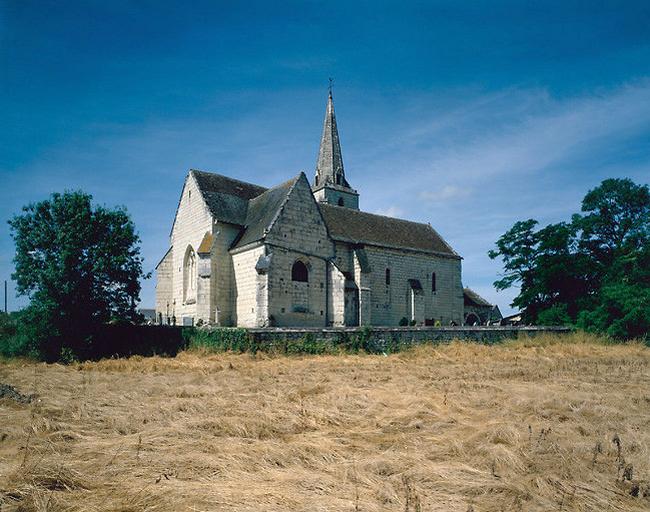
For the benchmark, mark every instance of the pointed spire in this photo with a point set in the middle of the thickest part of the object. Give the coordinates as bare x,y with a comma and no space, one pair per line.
329,167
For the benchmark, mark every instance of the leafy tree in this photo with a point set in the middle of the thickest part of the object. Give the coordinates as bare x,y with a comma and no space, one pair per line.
593,270
80,266
546,266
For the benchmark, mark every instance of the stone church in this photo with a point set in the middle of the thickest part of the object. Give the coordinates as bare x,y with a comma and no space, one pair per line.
301,254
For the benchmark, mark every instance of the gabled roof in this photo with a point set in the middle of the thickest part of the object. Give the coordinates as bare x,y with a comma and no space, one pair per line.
471,298
226,198
262,212
354,226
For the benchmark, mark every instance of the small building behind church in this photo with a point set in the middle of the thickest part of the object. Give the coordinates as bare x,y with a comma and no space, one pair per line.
301,254
479,311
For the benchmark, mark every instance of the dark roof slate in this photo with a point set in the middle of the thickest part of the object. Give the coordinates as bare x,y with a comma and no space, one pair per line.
226,198
354,226
255,208
471,298
262,211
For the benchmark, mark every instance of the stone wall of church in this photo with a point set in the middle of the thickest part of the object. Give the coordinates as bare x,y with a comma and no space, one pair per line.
337,197
336,296
294,303
299,225
390,302
164,289
249,287
223,275
299,233
193,220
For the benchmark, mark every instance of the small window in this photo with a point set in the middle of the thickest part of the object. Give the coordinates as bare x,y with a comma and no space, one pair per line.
433,282
341,203
387,276
299,272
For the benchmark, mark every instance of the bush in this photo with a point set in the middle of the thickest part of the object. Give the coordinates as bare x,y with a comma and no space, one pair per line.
623,312
403,322
17,336
557,314
224,339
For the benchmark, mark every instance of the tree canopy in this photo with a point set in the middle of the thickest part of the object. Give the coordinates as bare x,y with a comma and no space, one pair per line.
592,271
79,265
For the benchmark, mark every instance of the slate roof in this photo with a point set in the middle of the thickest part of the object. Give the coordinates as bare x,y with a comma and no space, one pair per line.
226,198
255,208
471,298
353,226
262,211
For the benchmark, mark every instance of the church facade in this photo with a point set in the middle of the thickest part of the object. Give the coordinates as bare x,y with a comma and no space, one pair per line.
301,254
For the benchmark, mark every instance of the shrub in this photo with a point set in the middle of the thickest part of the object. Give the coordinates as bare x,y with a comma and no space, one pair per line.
623,312
17,335
223,339
403,322
557,314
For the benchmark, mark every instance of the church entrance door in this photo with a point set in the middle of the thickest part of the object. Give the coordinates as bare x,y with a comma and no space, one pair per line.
351,307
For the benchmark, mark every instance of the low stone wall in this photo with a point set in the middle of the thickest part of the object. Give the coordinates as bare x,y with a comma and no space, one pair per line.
383,335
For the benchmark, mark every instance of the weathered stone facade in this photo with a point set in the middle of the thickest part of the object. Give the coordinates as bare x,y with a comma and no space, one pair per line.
301,255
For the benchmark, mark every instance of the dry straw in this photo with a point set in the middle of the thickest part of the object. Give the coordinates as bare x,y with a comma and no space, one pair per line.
528,425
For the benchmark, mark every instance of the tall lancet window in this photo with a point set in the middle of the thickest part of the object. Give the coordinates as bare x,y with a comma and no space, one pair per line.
189,275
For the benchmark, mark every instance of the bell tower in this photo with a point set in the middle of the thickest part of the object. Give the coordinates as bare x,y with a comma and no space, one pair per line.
330,185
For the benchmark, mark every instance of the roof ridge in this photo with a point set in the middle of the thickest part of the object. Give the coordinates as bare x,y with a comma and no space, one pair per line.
267,229
375,214
283,184
229,178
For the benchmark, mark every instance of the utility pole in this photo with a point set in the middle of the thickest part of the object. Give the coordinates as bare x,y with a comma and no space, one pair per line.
5,296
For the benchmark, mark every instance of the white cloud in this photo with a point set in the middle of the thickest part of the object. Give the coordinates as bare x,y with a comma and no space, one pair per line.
445,193
391,211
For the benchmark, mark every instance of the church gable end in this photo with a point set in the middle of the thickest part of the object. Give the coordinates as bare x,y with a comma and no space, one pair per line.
299,224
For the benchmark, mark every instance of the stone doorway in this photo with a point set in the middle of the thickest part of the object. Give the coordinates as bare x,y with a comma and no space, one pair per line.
351,311
472,319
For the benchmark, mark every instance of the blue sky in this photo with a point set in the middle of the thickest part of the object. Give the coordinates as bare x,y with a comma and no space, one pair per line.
467,115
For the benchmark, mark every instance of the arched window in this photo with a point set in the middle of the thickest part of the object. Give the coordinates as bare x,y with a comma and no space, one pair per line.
387,276
341,203
299,272
189,274
433,281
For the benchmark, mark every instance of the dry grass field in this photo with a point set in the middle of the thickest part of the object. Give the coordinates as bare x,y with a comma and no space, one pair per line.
530,425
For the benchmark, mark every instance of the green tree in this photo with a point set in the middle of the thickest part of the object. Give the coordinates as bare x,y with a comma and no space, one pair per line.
593,270
550,273
79,265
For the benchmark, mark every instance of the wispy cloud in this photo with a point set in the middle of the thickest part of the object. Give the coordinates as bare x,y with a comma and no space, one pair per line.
391,211
472,170
470,166
446,193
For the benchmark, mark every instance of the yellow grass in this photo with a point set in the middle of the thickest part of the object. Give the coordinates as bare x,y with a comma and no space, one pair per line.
525,426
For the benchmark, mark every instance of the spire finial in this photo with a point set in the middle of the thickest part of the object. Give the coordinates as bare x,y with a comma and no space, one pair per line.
330,86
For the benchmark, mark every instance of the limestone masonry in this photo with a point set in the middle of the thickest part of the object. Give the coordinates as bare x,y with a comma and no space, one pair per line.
304,255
